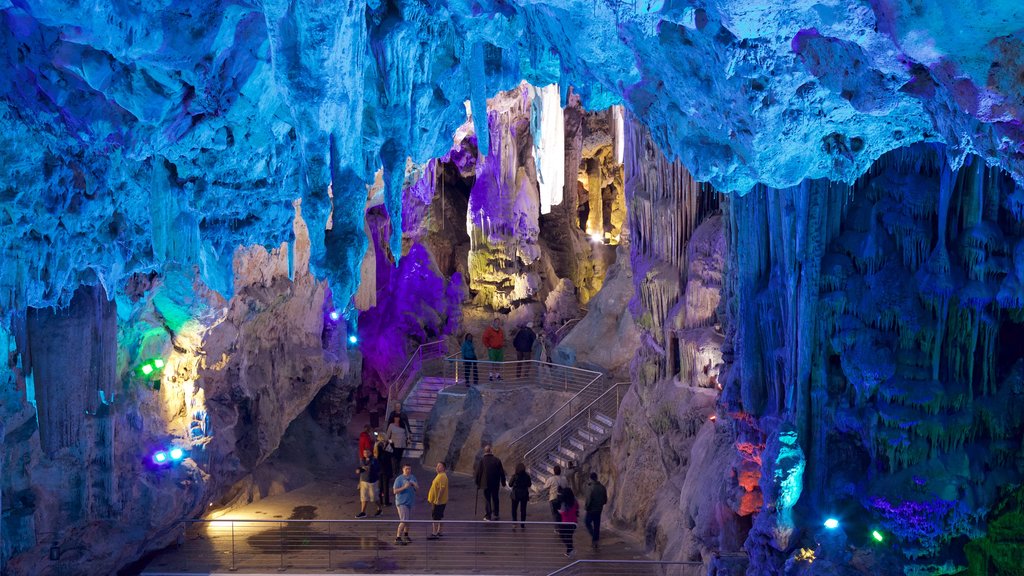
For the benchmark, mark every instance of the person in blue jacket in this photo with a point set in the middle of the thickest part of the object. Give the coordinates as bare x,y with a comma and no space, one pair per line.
469,364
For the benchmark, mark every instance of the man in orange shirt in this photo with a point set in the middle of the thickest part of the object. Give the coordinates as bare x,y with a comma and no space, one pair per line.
494,341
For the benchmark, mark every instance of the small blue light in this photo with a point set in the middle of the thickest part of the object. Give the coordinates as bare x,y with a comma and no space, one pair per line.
160,457
831,523
353,339
177,453
334,315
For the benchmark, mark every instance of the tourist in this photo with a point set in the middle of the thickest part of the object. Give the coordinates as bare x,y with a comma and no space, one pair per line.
387,469
405,496
365,441
490,475
523,343
494,341
369,475
469,363
437,496
520,485
398,440
553,484
597,497
569,510
397,411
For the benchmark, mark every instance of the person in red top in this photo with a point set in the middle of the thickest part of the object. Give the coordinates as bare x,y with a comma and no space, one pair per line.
494,341
365,440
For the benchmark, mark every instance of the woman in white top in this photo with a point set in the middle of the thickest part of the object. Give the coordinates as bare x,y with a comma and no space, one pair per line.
398,437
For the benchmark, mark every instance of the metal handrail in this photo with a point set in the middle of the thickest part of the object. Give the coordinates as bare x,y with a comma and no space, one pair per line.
210,545
537,372
559,418
628,567
607,403
400,384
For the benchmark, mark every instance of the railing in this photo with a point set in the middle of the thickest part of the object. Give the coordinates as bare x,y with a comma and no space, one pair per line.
631,568
365,546
521,373
557,420
402,384
606,404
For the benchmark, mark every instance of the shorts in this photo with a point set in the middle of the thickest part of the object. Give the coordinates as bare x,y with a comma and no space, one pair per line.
367,491
404,512
437,512
496,354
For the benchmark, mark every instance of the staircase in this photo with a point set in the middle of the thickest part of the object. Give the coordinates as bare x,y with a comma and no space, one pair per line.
576,438
418,405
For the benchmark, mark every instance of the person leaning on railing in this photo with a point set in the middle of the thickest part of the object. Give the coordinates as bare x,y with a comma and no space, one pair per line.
469,364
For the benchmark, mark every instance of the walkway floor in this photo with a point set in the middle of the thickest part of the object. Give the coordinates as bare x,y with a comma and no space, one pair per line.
368,545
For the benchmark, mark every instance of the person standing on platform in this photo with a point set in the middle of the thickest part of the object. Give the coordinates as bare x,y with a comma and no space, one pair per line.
523,343
405,490
553,485
469,363
387,469
494,341
569,512
520,485
490,475
365,441
437,497
597,497
403,417
369,476
398,440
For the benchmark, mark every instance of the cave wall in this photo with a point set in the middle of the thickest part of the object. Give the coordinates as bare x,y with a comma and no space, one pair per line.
237,372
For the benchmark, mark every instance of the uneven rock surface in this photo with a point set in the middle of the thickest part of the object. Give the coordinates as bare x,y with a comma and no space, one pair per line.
465,419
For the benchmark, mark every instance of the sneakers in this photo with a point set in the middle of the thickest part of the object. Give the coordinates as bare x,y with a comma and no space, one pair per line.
491,378
569,554
487,518
407,539
399,541
379,511
496,518
361,515
433,537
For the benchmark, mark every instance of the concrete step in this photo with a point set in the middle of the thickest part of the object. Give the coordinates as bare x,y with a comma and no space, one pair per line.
567,453
580,444
597,428
604,420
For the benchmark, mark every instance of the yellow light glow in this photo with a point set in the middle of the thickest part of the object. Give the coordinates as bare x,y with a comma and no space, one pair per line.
804,555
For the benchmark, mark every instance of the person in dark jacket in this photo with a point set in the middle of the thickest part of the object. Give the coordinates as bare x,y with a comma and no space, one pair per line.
490,475
403,418
387,470
597,497
469,363
520,484
523,343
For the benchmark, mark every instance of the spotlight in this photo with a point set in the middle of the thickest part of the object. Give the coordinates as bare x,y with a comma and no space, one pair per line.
353,339
597,238
158,363
147,368
334,315
831,523
160,457
177,453
877,536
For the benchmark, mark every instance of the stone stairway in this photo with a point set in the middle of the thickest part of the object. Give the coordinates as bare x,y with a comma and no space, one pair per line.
578,438
418,406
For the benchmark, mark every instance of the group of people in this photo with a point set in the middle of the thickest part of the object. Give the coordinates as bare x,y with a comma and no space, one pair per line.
490,477
494,341
375,486
380,456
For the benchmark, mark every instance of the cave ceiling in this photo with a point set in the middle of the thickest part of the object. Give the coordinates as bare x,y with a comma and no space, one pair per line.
139,133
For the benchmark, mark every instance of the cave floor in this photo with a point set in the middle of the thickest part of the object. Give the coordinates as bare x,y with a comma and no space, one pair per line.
255,543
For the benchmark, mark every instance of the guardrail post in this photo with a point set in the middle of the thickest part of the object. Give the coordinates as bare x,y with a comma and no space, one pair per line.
330,545
280,532
234,566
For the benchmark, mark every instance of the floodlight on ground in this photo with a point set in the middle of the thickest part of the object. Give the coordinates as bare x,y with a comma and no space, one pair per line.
158,363
877,536
147,369
334,315
597,238
353,339
831,523
177,454
160,457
